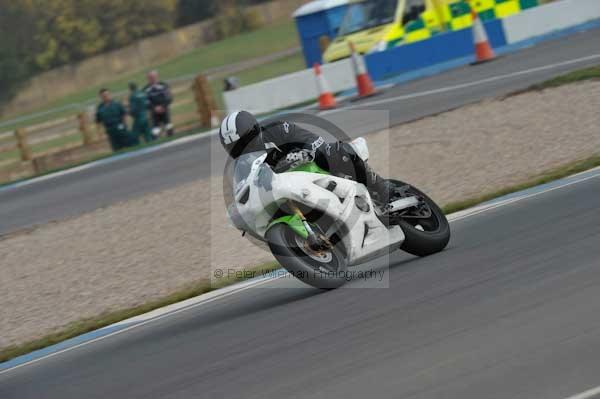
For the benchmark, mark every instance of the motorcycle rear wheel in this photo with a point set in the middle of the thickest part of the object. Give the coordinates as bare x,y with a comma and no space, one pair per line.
425,236
328,271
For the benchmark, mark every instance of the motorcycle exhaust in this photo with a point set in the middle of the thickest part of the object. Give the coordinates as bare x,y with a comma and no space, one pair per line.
401,204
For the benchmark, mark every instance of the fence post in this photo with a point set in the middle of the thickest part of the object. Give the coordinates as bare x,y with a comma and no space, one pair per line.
88,138
207,108
21,136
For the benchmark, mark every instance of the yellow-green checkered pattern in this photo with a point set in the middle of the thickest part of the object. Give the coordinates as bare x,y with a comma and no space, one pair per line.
457,15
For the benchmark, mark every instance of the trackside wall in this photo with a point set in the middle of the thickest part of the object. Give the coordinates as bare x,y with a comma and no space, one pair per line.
549,18
440,48
291,89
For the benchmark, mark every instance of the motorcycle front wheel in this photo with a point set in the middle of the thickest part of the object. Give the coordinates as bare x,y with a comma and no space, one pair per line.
324,270
426,228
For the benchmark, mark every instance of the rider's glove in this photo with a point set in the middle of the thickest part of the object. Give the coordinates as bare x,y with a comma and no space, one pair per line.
295,159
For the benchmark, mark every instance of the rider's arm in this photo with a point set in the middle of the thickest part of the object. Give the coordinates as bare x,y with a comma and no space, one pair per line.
288,137
289,145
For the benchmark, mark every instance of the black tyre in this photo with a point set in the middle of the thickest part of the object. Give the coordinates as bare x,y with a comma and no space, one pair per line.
326,270
426,228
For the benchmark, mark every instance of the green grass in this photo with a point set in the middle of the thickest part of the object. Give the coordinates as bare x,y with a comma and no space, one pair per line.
184,109
87,325
267,71
571,77
43,147
262,42
41,118
10,155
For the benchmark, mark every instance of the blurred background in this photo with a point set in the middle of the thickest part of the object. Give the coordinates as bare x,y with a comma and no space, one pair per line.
111,179
56,55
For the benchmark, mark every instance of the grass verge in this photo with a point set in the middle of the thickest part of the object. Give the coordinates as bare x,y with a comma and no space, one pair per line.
269,70
565,170
37,149
592,73
87,325
571,77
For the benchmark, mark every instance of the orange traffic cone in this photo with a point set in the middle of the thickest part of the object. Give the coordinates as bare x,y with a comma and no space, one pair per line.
364,84
326,98
483,49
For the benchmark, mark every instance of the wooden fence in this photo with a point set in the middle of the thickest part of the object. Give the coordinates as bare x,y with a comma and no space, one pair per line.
26,149
51,136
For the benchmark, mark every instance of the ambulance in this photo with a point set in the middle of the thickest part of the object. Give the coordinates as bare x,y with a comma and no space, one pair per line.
377,25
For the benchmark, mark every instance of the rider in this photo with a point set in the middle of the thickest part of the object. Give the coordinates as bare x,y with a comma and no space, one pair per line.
289,146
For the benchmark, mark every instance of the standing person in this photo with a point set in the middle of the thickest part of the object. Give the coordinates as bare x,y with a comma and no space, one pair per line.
159,100
112,114
138,109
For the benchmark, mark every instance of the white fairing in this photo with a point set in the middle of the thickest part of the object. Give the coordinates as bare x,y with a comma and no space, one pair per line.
364,236
361,148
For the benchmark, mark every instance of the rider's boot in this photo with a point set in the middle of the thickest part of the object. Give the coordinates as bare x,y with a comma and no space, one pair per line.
380,189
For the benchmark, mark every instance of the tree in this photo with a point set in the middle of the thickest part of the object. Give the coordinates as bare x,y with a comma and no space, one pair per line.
71,30
124,22
15,46
64,33
38,35
190,11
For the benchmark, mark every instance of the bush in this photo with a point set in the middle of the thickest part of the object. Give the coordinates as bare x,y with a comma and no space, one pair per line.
233,21
229,22
253,20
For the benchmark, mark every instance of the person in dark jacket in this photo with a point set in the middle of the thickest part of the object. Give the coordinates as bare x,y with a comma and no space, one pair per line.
159,101
138,110
111,114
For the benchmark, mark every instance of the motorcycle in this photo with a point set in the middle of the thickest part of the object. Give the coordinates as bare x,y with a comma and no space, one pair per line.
317,225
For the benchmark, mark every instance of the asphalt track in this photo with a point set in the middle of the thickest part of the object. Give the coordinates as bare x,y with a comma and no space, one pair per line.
509,310
92,188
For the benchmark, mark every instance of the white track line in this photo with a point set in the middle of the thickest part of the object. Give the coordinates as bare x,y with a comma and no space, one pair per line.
466,85
587,394
484,208
232,290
